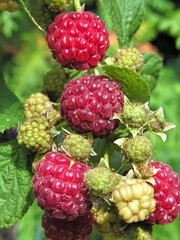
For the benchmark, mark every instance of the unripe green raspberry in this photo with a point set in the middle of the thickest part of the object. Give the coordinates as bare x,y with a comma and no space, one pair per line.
134,200
135,114
139,231
107,222
77,146
129,57
39,104
43,15
137,149
58,5
54,82
101,181
35,134
8,5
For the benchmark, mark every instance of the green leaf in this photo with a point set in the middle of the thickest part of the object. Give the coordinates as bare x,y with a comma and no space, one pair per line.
134,87
16,191
126,17
150,71
11,108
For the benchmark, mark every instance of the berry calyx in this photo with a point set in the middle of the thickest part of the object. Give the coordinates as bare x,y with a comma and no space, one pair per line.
134,200
78,40
54,82
89,103
38,104
59,187
137,149
129,57
61,229
35,134
166,194
77,146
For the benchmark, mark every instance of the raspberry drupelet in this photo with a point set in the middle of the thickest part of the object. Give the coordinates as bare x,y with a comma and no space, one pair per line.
88,104
59,187
78,40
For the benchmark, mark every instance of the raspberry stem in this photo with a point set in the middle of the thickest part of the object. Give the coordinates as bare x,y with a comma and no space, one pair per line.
106,153
21,3
77,5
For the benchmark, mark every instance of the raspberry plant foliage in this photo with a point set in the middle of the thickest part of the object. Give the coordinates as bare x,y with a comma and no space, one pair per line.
109,105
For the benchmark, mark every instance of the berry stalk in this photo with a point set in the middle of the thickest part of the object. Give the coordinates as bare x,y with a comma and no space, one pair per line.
77,5
21,3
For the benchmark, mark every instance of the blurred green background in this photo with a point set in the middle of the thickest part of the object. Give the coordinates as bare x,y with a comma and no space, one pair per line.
25,58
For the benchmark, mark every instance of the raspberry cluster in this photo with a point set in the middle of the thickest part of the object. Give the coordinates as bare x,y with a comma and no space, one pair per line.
89,103
166,194
78,40
93,106
58,229
59,187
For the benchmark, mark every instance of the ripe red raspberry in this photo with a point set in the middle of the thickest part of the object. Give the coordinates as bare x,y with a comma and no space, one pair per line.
58,229
166,194
89,103
59,187
78,40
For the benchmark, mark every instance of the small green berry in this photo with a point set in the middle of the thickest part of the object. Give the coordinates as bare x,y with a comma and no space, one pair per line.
77,146
35,134
39,104
135,114
137,149
54,82
101,181
129,57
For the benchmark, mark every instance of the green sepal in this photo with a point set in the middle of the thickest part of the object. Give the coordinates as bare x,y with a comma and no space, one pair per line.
102,163
166,126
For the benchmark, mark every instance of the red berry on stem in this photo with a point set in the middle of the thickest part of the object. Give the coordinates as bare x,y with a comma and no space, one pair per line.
59,187
89,103
78,40
166,194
